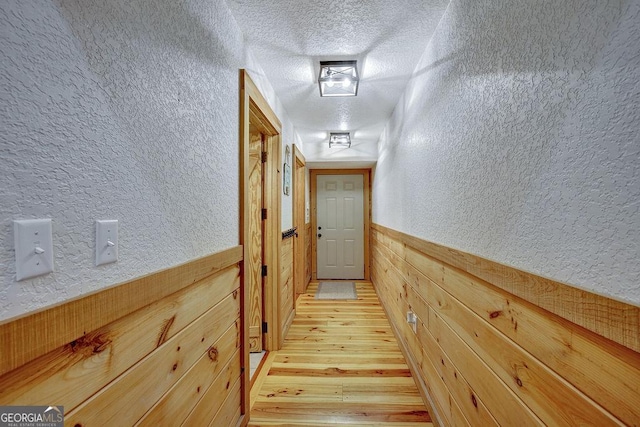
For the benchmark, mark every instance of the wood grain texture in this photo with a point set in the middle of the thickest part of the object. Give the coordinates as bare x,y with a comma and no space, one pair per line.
218,407
272,240
215,368
253,264
287,290
561,372
26,338
151,359
148,380
606,317
307,269
255,112
74,371
449,394
299,220
340,364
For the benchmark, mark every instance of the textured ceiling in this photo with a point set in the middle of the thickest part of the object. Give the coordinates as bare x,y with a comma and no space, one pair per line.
289,38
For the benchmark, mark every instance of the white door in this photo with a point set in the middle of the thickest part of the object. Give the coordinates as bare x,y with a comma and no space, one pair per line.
340,221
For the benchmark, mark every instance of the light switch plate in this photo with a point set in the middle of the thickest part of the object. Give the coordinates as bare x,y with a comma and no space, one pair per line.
106,241
34,247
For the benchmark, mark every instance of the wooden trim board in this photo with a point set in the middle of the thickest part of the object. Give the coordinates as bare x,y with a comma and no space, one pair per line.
255,110
25,338
299,221
181,339
615,320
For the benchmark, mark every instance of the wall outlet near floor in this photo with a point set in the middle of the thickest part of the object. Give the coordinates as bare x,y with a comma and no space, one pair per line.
412,319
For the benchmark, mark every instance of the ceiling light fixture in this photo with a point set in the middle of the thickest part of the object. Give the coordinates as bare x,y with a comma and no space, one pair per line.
338,78
339,139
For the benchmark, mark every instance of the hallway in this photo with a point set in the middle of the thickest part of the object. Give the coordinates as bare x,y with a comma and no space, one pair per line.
160,211
340,364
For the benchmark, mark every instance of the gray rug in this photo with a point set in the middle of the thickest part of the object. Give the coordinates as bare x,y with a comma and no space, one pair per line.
336,290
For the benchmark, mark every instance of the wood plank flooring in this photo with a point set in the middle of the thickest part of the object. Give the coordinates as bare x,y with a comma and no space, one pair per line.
340,365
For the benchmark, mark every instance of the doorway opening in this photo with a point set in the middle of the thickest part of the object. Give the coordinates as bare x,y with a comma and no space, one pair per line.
260,213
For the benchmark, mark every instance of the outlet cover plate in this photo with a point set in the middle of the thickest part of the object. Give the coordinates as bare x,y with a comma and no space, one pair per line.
34,247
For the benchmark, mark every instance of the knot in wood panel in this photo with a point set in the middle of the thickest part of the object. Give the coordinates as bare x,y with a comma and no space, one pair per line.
92,343
165,330
213,354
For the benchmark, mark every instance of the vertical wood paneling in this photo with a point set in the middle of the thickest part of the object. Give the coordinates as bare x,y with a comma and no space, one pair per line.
492,350
253,265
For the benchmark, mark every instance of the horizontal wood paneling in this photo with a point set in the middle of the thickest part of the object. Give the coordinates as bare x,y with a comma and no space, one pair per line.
210,374
79,369
25,338
609,318
152,363
499,356
212,403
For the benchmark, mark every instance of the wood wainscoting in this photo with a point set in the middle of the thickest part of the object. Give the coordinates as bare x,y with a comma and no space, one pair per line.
308,252
164,349
498,346
287,290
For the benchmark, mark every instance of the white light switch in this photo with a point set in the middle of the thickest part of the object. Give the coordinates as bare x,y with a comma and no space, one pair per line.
106,241
34,247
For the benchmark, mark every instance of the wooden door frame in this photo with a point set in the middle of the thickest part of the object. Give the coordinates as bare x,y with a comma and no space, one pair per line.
255,110
299,221
366,177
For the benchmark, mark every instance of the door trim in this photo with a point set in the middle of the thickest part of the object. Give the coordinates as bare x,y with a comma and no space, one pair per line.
254,109
366,176
299,221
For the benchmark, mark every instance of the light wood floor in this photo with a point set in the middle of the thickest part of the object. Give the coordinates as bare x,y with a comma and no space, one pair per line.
340,364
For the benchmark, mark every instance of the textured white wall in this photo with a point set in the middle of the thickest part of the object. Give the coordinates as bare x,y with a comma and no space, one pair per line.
121,110
518,139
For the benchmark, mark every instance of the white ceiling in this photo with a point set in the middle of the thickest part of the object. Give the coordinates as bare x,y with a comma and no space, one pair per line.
290,37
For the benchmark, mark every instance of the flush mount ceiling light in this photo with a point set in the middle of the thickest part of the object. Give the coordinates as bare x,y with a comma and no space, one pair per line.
339,139
338,78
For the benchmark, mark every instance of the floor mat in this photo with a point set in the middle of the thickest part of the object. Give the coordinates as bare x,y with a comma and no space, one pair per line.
336,290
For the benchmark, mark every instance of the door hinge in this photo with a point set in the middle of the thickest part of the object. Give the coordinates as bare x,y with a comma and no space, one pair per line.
265,327
264,157
264,214
264,271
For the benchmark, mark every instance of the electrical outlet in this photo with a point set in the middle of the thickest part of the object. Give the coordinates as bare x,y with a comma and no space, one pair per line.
412,319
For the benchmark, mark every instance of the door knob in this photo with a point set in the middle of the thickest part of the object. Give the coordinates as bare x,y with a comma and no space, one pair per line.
319,235
319,228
